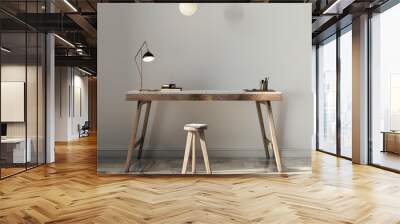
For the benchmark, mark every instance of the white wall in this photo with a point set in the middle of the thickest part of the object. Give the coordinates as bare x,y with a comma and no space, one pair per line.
33,127
19,73
221,47
62,80
68,80
80,84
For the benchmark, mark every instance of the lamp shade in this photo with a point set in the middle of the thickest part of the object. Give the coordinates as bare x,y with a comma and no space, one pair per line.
148,57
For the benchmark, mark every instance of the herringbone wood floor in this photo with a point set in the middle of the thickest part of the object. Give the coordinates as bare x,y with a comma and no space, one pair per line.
71,192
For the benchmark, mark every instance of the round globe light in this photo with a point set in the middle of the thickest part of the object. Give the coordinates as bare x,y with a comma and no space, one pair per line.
188,9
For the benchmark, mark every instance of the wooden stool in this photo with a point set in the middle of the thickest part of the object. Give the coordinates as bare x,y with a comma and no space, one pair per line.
193,130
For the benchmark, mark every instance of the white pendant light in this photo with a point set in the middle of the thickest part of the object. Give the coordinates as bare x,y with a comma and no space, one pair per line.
188,9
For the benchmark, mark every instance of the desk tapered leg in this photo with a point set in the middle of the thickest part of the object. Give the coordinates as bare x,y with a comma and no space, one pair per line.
146,120
262,127
273,137
132,143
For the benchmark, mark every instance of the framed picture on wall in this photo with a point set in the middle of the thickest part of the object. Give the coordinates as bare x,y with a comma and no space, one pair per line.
12,101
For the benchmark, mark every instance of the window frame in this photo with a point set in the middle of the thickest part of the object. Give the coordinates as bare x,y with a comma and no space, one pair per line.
334,37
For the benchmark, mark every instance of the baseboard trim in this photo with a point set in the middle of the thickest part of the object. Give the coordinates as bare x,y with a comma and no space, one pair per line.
213,152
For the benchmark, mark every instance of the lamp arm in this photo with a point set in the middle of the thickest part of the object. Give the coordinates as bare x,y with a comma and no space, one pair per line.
139,67
141,48
140,72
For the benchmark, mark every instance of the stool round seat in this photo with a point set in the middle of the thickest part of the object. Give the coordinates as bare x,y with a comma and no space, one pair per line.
195,127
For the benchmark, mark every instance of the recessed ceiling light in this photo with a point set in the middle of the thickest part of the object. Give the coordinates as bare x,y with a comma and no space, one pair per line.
64,40
84,71
337,7
70,5
188,9
5,50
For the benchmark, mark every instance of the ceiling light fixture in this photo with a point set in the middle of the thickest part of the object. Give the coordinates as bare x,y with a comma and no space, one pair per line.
188,9
84,71
70,5
5,50
64,40
337,7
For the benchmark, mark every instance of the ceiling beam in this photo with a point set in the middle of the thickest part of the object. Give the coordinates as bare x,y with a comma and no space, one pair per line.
82,61
337,7
86,26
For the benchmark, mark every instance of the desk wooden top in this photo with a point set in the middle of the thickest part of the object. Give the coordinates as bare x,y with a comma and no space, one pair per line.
13,140
203,95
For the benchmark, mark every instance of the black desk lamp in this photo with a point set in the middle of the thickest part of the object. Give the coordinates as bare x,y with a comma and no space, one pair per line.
146,57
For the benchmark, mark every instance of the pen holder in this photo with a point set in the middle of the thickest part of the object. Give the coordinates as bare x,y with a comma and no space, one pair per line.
264,84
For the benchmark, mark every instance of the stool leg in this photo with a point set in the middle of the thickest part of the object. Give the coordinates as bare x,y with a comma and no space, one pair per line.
187,152
204,150
194,153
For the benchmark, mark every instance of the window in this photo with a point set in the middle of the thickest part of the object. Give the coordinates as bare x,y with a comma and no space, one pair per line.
346,94
327,96
394,102
385,89
334,106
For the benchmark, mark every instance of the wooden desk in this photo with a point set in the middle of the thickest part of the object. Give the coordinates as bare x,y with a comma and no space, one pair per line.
13,150
391,141
146,97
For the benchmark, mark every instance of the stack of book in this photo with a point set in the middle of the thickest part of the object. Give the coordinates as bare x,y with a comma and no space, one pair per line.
170,87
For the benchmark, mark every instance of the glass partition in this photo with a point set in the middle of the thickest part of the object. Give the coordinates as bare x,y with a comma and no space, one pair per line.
14,153
22,88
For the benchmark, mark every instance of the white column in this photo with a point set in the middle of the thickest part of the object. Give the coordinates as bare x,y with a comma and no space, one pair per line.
50,100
